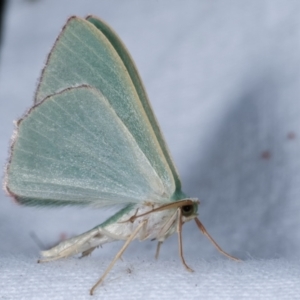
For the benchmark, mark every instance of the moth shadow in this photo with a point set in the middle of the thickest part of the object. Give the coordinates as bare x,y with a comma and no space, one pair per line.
244,179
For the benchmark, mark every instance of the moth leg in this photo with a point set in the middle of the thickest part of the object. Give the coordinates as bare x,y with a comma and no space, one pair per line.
111,235
119,254
202,228
157,249
87,252
179,231
163,233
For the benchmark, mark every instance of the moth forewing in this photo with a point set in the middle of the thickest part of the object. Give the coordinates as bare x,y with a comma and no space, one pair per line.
119,46
83,54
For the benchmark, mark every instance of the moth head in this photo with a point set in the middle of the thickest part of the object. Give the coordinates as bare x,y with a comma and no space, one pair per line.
189,211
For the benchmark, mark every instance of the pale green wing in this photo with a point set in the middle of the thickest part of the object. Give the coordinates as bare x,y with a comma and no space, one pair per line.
82,54
72,148
138,84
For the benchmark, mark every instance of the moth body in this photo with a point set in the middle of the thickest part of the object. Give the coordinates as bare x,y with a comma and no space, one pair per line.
158,225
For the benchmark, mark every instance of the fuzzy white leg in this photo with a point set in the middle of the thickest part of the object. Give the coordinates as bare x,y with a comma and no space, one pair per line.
164,232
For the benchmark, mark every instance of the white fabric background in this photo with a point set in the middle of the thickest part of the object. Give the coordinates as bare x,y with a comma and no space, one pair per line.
223,78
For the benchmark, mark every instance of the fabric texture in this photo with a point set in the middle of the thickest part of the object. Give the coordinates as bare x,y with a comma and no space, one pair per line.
223,78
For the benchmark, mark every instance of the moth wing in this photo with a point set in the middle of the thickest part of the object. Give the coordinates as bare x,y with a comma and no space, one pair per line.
86,54
128,62
72,148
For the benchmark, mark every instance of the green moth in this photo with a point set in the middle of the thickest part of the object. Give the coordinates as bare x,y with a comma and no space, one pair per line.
92,139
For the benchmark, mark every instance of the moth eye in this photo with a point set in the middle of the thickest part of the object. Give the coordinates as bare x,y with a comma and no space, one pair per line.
187,210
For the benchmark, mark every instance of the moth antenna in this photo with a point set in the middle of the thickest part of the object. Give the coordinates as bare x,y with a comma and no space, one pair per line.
176,204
